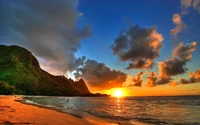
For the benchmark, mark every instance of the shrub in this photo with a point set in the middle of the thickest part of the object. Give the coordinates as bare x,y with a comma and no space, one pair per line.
6,89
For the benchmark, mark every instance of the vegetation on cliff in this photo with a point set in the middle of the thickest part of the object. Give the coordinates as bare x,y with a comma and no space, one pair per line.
20,71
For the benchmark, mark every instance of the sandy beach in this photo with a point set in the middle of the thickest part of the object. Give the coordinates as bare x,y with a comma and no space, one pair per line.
13,112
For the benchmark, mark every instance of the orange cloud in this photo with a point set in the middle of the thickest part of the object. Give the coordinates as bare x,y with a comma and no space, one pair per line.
184,52
137,80
194,78
99,76
179,24
151,79
173,83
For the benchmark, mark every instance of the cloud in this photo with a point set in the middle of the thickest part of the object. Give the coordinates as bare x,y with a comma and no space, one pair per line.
194,78
173,83
137,80
176,65
99,76
154,80
151,79
196,5
171,67
139,46
162,80
179,24
47,30
176,19
187,4
141,64
184,52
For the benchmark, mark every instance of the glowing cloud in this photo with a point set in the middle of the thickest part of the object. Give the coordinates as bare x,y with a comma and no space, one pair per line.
184,52
179,24
194,78
99,76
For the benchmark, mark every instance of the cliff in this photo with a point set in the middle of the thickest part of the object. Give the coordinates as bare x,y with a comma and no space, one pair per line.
21,70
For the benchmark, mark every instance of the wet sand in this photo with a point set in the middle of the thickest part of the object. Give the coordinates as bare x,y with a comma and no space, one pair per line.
14,112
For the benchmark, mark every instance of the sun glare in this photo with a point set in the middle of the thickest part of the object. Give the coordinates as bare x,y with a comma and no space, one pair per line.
118,93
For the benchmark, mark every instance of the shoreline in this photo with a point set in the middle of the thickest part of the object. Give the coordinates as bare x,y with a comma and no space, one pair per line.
45,107
13,110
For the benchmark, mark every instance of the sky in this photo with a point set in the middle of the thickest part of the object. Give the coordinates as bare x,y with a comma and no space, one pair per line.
141,47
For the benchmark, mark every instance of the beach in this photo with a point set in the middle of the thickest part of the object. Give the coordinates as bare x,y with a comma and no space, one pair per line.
60,110
14,112
180,110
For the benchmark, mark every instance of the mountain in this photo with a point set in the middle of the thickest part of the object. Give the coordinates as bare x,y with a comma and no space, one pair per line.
81,86
21,71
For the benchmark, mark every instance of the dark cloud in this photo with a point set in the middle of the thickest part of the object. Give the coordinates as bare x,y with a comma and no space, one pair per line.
171,67
163,80
194,78
138,45
141,64
47,28
99,76
184,81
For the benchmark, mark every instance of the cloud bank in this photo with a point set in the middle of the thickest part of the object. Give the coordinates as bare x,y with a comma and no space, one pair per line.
176,65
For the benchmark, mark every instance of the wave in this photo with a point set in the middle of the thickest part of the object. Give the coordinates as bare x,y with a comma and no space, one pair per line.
63,104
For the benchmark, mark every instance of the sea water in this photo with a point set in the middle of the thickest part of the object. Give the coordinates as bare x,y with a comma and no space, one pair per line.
174,110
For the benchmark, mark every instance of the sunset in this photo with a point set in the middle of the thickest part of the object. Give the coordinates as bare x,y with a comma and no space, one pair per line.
100,62
118,93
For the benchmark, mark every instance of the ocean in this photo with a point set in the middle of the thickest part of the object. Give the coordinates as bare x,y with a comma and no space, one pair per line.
173,110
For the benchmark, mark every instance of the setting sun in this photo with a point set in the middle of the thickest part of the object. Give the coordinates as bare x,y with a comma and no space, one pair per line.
118,93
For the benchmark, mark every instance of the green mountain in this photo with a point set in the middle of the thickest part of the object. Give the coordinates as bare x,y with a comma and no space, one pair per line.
20,73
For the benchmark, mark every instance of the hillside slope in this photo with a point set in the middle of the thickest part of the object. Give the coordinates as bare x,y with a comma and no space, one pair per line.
19,68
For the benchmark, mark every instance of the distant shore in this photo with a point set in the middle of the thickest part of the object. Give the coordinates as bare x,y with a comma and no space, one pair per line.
14,112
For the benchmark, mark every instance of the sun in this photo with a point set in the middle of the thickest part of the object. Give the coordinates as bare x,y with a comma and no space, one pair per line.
118,93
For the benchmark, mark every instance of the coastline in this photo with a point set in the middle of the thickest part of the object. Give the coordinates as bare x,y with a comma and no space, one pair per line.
14,111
